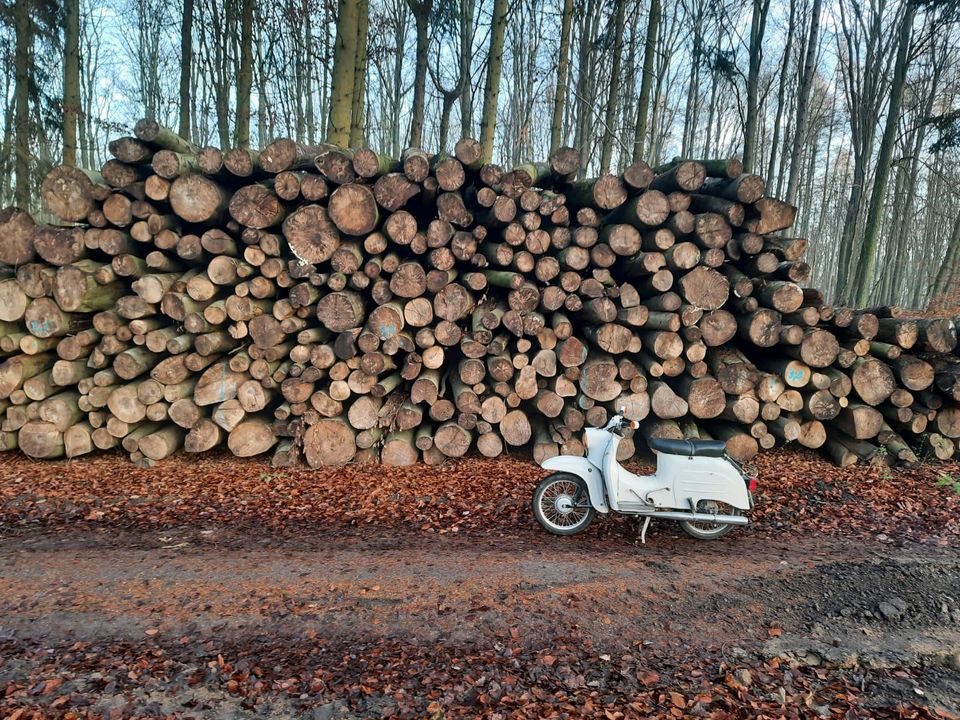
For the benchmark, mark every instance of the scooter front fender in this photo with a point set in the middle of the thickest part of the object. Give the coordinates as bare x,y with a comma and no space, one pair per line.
588,471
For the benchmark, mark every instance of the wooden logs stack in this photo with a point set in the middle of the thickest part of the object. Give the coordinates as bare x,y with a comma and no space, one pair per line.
335,305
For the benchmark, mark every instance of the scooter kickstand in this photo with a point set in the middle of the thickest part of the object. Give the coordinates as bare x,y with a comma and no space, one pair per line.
643,530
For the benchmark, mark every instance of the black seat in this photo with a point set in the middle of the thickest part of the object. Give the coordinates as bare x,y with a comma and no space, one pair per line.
691,448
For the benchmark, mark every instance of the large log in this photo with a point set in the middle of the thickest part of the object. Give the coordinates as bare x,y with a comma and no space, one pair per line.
198,199
310,234
69,193
38,439
329,442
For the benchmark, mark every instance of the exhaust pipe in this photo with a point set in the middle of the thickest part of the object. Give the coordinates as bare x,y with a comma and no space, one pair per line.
700,517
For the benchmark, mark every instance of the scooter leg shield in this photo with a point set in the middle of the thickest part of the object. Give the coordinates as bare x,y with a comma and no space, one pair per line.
588,471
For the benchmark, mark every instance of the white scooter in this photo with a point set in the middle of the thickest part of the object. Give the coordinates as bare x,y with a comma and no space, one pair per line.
696,484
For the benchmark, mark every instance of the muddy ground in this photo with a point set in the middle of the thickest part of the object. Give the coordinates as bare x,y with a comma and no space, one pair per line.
130,612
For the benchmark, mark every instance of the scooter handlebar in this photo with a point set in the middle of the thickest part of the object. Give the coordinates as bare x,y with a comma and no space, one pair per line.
618,422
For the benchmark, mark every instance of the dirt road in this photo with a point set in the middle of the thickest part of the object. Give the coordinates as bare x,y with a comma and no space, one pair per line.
193,623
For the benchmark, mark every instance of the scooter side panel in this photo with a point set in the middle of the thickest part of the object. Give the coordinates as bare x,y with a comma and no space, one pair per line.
587,470
703,478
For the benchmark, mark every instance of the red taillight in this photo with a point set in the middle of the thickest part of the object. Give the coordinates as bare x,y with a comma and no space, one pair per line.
753,484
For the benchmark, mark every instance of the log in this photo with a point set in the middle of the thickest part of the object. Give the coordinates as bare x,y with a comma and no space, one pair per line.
77,440
162,443
68,192
873,380
746,189
739,445
285,154
251,437
217,384
353,209
665,403
57,246
515,428
861,422
399,450
704,395
198,199
256,206
705,288
912,372
42,440
310,234
329,442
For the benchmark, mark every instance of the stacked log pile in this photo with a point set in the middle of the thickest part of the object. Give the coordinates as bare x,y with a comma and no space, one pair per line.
336,305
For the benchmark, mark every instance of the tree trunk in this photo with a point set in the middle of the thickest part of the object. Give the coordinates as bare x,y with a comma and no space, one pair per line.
421,16
71,81
491,87
186,63
758,26
245,75
643,102
613,96
563,72
803,102
358,109
343,74
863,279
781,94
23,28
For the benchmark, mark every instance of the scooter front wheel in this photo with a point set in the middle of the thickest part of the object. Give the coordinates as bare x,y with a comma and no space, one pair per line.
561,504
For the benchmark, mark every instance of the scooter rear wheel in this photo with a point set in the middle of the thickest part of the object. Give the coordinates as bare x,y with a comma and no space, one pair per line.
561,504
706,530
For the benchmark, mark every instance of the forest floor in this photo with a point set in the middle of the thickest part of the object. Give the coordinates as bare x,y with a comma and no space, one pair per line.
213,587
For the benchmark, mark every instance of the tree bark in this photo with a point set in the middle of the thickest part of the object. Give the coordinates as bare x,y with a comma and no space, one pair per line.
491,87
758,25
866,262
244,74
606,147
186,64
71,81
643,102
344,72
421,10
23,30
563,72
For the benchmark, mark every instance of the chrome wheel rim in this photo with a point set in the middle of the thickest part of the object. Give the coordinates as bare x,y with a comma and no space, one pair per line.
712,507
558,505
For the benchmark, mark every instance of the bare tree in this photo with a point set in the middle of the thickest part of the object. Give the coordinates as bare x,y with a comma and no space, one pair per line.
358,109
71,81
186,62
643,103
865,58
344,67
491,88
803,100
245,74
23,27
758,26
563,73
606,148
421,10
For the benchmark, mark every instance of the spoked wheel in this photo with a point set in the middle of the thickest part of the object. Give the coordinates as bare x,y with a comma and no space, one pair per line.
710,530
561,504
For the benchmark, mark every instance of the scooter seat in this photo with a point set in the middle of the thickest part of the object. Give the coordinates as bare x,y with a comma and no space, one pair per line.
690,448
